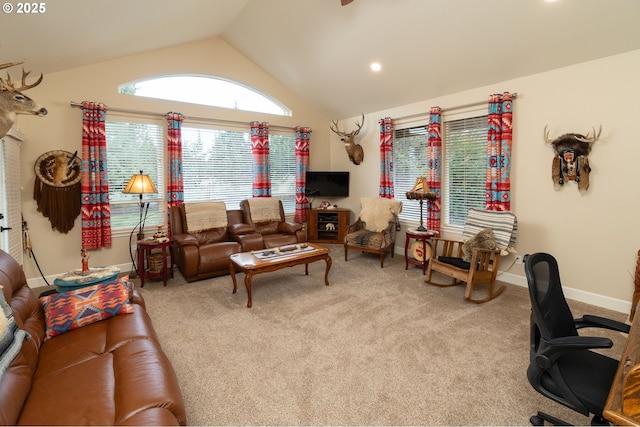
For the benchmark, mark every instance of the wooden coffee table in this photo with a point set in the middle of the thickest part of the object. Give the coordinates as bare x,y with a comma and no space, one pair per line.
251,265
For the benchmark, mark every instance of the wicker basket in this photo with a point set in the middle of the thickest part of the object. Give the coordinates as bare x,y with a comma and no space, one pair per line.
154,263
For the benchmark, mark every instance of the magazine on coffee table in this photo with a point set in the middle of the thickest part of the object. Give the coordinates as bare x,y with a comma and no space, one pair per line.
282,251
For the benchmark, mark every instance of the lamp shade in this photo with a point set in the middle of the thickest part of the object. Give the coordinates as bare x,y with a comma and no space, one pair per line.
420,190
140,184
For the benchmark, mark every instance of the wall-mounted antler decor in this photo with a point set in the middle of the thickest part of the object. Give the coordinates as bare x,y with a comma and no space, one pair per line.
571,162
14,102
354,151
57,188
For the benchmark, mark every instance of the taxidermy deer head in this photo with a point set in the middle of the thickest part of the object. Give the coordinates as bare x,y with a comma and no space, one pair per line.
571,162
13,102
355,151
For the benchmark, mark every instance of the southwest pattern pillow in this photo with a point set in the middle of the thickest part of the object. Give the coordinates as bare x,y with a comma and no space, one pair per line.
66,311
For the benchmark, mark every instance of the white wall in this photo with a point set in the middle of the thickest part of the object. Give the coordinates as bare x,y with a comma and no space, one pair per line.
595,236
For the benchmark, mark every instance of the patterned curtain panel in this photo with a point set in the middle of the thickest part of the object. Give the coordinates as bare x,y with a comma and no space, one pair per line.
261,167
175,187
499,143
96,212
386,158
303,135
434,160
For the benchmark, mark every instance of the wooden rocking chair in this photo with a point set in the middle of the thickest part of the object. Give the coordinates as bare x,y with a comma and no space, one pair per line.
483,266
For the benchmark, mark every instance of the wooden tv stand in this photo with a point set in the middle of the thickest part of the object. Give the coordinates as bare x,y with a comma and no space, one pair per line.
319,219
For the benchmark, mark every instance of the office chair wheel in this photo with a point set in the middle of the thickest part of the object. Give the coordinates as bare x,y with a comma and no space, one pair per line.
541,417
536,421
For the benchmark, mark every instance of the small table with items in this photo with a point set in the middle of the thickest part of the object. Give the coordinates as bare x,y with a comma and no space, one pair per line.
421,248
146,266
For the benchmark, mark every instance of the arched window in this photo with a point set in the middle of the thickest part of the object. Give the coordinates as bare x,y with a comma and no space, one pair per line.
205,90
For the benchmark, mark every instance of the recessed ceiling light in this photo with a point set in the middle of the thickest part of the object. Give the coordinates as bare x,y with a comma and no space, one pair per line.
375,66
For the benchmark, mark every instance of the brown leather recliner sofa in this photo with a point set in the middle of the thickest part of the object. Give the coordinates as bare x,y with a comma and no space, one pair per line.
205,253
111,372
266,216
204,243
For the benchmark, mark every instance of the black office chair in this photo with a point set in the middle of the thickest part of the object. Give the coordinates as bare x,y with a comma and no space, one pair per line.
562,366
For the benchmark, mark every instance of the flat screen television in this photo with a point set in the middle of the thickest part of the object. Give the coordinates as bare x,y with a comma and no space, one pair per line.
327,184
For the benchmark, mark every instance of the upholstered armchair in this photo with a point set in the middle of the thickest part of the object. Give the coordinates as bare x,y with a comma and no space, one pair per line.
266,216
375,228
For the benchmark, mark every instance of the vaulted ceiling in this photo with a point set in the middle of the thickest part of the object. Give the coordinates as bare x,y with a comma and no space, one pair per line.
322,50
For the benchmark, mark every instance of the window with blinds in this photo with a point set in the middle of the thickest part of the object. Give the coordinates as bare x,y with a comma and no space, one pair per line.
465,151
10,198
132,147
218,165
410,162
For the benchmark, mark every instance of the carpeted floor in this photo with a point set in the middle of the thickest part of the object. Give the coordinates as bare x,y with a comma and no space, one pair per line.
376,347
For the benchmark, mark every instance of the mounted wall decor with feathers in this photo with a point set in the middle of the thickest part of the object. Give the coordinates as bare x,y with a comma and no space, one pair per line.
57,188
571,162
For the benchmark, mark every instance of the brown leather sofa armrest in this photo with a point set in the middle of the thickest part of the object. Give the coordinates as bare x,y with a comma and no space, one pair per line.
185,240
242,228
289,227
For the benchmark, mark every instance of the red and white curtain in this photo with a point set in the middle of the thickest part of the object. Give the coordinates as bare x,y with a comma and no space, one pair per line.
95,208
499,145
386,158
434,159
261,167
175,186
303,135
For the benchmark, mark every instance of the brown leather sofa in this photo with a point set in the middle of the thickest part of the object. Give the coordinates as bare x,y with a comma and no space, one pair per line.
203,254
272,232
111,372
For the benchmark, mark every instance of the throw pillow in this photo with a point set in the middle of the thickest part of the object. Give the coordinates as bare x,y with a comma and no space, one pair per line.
11,336
66,311
482,240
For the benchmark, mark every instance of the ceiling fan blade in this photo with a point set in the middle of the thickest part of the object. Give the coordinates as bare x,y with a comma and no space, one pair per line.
345,2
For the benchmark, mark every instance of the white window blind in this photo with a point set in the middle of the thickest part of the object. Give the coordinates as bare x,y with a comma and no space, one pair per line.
465,150
132,147
282,160
10,204
216,165
410,162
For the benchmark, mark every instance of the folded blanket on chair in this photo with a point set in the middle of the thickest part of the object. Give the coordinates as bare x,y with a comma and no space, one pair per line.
264,209
205,216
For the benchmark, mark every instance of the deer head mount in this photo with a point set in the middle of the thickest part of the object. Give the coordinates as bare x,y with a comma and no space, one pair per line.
571,162
13,102
355,151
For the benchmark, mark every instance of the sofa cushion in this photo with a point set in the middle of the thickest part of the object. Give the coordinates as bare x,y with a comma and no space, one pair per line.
11,336
66,311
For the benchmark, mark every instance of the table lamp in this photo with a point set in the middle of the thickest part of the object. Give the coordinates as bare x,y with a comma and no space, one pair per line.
140,184
420,192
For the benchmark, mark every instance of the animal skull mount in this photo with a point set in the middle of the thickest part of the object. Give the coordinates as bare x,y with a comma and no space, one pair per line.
571,162
355,151
14,102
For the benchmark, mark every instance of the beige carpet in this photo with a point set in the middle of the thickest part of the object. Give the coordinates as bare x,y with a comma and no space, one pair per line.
377,347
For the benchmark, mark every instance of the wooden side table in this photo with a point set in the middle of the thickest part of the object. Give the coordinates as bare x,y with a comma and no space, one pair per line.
144,250
419,236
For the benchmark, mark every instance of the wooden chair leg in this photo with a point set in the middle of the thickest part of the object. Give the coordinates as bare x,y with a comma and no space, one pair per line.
491,294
